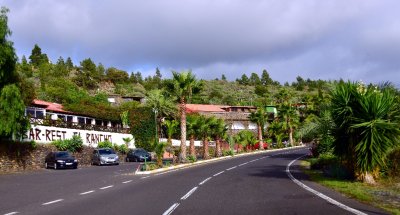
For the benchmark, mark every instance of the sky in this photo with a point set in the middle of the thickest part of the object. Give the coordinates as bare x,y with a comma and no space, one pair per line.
356,40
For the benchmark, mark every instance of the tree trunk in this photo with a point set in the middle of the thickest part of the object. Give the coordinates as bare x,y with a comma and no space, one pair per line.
182,154
291,136
260,138
205,149
218,151
368,178
192,148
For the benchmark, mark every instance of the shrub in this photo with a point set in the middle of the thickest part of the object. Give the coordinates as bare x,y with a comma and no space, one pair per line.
105,144
191,158
123,149
228,153
72,145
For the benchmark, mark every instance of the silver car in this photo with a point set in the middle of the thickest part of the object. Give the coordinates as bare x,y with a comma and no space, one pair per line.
104,156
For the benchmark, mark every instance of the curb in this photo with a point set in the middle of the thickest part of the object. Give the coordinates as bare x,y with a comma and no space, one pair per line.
183,166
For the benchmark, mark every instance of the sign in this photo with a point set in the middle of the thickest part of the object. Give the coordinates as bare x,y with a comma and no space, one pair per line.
48,134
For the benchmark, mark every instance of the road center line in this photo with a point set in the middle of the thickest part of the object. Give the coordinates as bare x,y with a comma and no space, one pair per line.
231,168
204,181
242,164
103,188
12,213
84,193
322,196
171,209
125,182
219,173
189,193
52,202
145,177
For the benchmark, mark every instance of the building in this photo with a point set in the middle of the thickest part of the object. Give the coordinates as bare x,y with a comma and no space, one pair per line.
49,122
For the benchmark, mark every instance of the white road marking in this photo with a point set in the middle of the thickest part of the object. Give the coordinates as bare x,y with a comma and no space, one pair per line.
84,193
144,177
125,182
219,173
189,193
52,202
242,164
322,196
204,181
231,168
171,209
103,188
12,213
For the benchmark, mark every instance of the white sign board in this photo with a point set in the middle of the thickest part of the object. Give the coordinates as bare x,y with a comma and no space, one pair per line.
48,134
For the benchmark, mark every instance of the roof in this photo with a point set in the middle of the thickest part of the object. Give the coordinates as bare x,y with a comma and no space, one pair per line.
55,107
190,108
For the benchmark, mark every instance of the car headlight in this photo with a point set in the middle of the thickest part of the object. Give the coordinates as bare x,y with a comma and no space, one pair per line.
116,157
60,161
75,160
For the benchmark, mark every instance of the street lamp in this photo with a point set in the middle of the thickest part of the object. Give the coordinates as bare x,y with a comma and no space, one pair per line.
155,121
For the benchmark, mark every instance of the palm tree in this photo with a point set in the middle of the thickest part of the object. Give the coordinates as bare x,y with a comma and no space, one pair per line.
276,129
245,138
172,127
192,128
259,117
182,86
157,99
219,132
290,118
367,125
205,131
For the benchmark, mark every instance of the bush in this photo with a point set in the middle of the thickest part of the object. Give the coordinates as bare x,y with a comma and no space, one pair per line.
191,158
123,149
105,144
393,165
228,152
72,145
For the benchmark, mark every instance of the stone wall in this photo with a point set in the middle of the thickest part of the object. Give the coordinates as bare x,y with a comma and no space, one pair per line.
18,157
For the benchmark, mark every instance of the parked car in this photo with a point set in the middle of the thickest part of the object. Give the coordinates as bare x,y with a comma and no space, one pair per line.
137,155
60,159
104,156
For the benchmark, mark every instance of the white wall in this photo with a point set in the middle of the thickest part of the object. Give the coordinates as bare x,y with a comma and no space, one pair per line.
47,134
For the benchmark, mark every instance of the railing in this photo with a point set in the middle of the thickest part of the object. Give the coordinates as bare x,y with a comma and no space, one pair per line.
73,125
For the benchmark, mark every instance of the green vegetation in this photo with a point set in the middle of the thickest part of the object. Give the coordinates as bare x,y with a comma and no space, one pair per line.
74,144
105,144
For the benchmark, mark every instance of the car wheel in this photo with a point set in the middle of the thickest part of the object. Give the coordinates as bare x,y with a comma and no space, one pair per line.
76,167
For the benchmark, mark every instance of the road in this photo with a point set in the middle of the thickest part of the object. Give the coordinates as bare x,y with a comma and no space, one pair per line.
253,184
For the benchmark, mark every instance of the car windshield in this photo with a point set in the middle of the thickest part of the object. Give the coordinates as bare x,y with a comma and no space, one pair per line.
62,155
141,150
106,151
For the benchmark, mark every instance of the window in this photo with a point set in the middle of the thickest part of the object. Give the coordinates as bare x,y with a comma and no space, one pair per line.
69,118
81,120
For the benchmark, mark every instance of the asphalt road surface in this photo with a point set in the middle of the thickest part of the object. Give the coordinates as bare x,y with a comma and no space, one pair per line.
252,184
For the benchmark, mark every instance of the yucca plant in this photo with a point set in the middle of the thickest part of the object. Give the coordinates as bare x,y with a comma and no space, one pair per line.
367,127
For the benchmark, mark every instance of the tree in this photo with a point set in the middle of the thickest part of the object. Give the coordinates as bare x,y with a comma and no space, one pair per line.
12,109
276,130
7,52
116,76
244,80
87,75
69,64
266,79
183,85
259,117
223,77
367,125
192,131
205,131
172,128
37,57
245,138
164,105
219,132
254,79
288,115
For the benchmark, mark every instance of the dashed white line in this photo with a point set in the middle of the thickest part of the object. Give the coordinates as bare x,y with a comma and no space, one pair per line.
189,193
84,193
125,182
171,209
231,168
219,173
322,196
103,188
204,181
242,164
144,177
52,202
12,213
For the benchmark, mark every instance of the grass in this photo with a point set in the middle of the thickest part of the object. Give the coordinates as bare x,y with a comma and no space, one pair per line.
385,195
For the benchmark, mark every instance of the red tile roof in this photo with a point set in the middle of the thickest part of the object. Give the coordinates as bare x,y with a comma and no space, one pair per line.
191,108
50,106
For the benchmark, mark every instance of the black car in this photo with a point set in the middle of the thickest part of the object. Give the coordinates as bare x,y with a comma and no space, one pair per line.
137,155
60,159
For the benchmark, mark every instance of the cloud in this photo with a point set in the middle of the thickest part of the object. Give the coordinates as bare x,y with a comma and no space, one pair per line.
316,39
